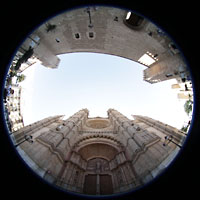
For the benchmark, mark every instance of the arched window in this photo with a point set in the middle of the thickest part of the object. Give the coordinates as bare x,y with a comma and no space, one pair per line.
133,20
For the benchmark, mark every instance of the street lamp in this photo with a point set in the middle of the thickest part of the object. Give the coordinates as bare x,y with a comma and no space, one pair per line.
169,139
90,20
26,138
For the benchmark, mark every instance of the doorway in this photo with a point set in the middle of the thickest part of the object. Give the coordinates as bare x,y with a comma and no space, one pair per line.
96,184
90,184
106,186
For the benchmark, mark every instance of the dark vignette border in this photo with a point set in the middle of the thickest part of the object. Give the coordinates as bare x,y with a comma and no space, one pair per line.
179,21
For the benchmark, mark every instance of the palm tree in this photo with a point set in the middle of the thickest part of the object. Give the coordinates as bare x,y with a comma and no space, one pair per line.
188,106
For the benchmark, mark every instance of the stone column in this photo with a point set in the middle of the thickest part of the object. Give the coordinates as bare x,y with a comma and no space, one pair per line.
98,185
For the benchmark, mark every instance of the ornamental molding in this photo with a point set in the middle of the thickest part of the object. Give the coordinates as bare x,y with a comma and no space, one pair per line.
52,148
98,138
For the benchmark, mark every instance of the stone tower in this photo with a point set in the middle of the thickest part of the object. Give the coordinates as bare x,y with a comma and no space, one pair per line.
98,156
110,31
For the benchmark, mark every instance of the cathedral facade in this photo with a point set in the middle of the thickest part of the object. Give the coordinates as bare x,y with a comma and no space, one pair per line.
98,156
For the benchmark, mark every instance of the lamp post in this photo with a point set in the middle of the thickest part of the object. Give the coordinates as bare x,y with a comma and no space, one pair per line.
90,20
169,139
26,138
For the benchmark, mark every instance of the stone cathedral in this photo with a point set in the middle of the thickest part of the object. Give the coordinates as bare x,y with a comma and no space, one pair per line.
98,156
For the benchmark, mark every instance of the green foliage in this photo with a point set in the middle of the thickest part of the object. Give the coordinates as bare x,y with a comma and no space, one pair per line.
188,106
21,78
13,73
184,128
9,81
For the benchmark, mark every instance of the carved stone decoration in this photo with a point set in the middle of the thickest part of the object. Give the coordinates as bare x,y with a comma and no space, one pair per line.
119,177
116,157
98,165
76,177
98,123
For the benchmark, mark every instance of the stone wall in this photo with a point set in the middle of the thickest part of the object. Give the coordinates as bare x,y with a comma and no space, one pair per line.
127,153
109,34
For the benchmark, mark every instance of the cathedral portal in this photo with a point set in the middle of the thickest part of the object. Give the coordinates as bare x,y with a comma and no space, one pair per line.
98,156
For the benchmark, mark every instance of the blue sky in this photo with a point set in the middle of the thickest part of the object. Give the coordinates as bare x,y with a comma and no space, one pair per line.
98,82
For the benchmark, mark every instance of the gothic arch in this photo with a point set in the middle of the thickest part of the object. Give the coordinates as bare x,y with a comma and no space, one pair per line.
104,160
95,149
103,139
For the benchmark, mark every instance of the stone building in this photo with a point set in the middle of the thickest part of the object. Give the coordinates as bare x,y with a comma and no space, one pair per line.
184,90
12,109
98,156
111,31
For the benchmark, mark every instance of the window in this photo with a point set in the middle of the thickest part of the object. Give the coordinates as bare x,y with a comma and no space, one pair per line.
77,35
138,128
160,32
128,15
133,20
36,38
34,41
91,34
150,33
168,75
57,40
173,48
32,44
116,19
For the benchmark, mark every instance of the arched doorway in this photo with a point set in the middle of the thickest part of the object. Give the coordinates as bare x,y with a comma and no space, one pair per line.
107,170
98,166
98,179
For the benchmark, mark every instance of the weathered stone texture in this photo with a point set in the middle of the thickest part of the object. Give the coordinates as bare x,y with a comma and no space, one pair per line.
126,153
